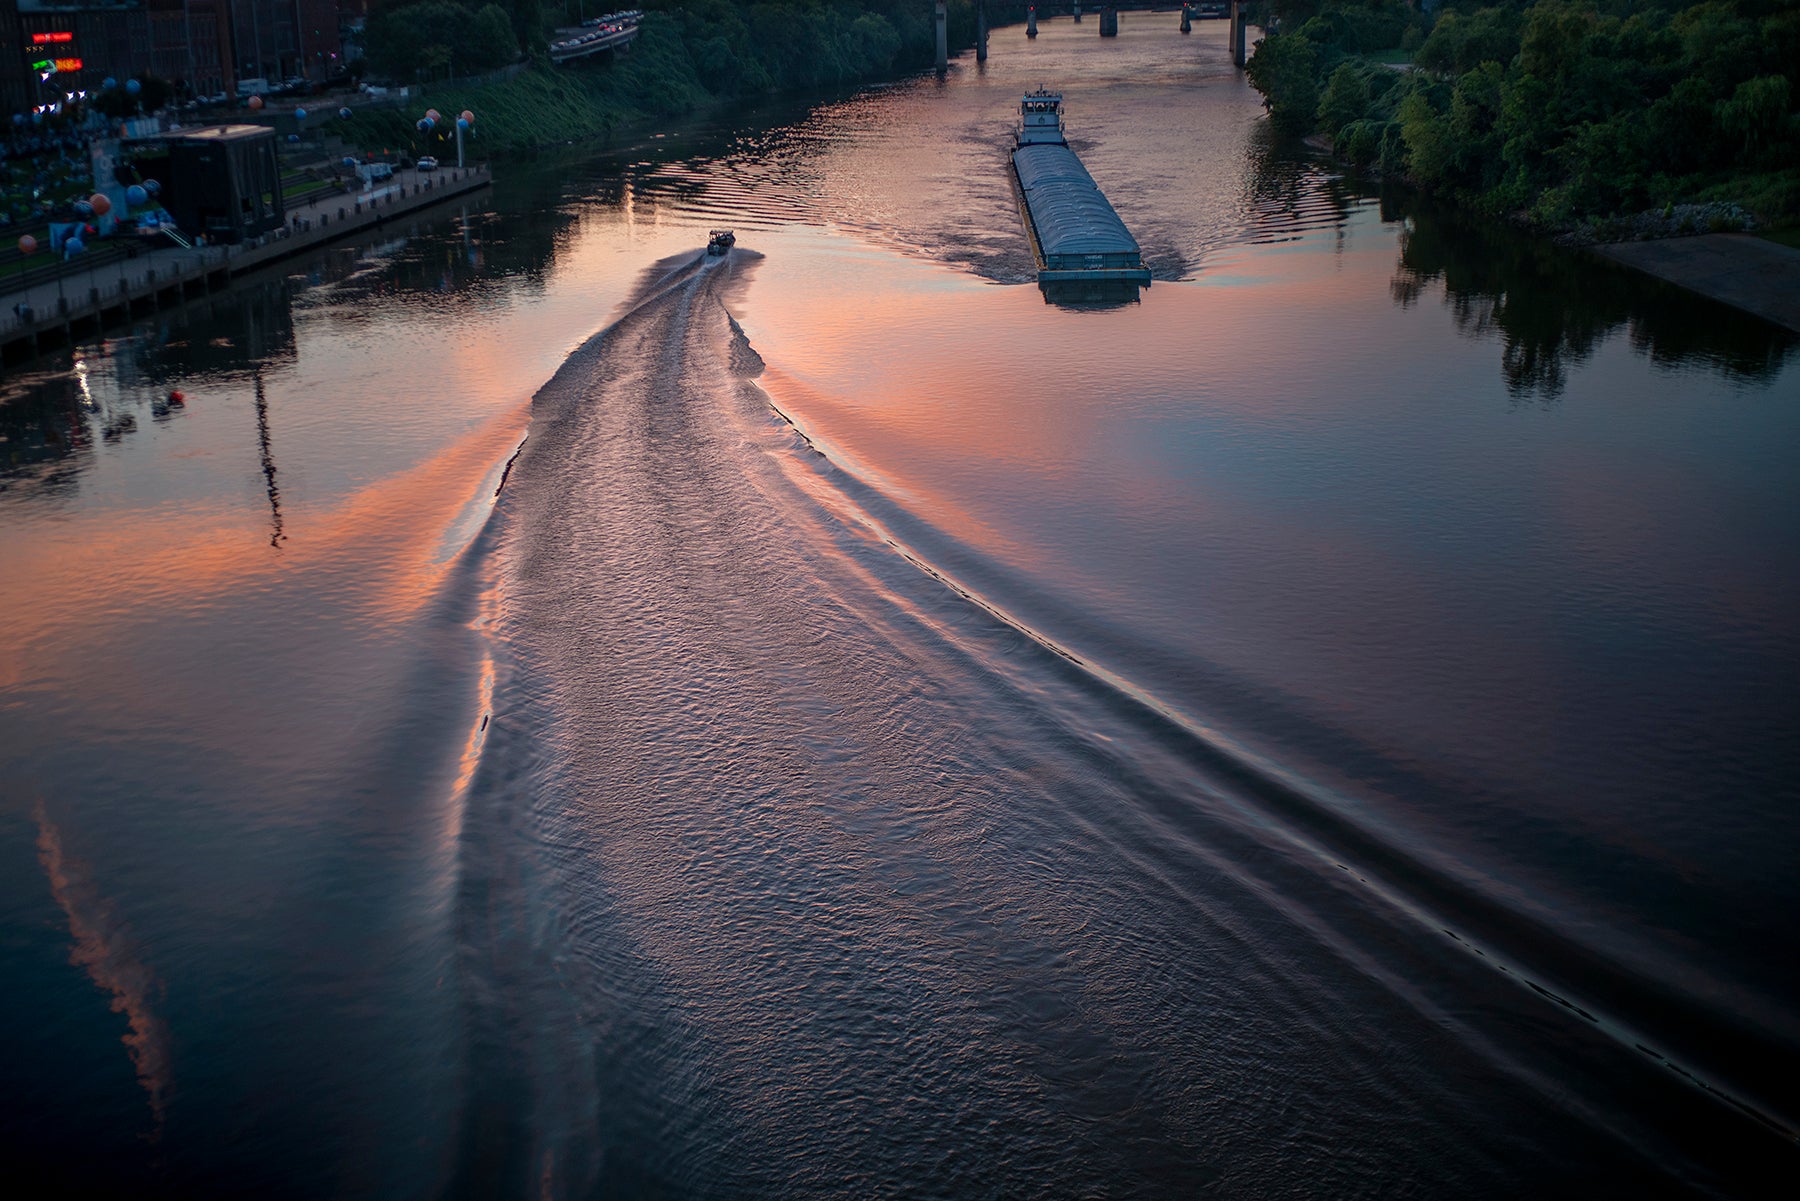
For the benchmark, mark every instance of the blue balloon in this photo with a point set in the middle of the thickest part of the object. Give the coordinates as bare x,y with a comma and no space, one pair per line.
136,195
109,82
152,187
74,246
18,118
299,114
344,112
83,209
133,86
424,125
462,123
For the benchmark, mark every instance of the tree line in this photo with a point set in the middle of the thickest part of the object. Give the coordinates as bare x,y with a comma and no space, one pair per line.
1553,110
730,48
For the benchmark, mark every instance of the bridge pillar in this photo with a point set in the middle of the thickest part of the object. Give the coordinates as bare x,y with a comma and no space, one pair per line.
1031,21
1077,12
1238,24
981,31
943,39
1109,21
1187,19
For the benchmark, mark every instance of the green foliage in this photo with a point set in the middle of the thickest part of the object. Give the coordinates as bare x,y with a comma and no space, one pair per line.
1346,99
1461,43
686,56
1283,70
1558,109
437,38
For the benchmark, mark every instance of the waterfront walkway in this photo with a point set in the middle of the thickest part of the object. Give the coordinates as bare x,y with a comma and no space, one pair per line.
53,312
1745,271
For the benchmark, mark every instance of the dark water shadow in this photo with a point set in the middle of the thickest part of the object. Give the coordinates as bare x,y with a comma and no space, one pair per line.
1551,308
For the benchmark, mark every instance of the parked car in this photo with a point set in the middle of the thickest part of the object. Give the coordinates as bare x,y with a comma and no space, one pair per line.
426,164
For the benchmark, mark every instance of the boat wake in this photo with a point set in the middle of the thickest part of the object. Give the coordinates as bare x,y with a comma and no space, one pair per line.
794,867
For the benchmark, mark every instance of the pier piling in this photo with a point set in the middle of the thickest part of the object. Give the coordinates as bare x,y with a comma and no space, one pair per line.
943,39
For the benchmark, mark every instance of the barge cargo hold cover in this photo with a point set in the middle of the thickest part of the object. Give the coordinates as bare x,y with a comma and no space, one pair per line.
1075,235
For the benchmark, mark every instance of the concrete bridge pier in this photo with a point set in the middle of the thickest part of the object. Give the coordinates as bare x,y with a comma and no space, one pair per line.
1031,21
981,31
1187,19
1109,21
1238,25
943,38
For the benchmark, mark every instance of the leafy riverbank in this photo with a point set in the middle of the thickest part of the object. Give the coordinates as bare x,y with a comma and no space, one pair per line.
685,58
1569,114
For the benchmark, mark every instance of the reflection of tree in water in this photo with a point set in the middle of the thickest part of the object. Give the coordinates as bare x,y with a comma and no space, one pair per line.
1288,195
1551,308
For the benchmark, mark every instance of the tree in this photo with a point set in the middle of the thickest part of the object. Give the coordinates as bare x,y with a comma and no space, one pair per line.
1282,70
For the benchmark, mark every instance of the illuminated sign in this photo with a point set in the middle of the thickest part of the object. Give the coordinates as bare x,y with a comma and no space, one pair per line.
68,64
41,39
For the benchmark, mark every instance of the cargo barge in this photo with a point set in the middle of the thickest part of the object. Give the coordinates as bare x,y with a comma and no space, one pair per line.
1075,235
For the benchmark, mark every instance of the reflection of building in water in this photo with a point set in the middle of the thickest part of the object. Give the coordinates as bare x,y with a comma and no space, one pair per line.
235,331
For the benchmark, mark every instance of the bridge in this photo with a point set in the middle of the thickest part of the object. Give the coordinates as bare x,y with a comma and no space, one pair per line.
1233,10
614,31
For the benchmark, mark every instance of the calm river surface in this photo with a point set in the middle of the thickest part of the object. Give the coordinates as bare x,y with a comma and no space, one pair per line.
1323,730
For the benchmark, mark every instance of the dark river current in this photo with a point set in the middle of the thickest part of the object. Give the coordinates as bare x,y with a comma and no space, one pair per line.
1324,730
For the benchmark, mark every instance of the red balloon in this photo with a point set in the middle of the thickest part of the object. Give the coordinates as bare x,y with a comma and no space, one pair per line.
102,204
256,102
27,245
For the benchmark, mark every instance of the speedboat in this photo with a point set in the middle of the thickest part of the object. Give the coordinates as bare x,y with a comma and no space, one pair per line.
720,241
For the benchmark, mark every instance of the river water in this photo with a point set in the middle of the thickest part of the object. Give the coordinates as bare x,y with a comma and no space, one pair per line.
1322,729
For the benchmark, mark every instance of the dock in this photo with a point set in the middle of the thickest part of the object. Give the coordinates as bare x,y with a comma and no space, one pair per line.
57,309
1076,237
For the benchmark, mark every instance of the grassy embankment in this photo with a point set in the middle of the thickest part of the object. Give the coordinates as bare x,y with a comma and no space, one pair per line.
1604,117
685,59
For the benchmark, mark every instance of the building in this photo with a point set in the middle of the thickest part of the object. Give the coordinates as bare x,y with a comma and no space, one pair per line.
286,39
51,48
224,182
191,43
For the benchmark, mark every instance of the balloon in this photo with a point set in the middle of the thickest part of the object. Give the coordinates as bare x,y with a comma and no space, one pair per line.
152,187
109,82
256,102
27,245
133,86
101,204
299,114
344,112
83,209
424,124
462,123
468,116
431,114
74,246
136,195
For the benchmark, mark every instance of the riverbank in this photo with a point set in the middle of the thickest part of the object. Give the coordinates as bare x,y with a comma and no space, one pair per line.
1754,274
55,311
682,62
